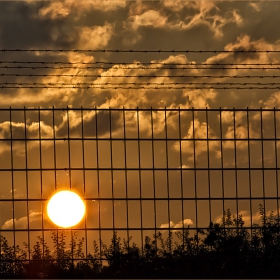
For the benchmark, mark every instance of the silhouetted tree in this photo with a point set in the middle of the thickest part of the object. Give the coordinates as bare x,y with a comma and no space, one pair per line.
223,250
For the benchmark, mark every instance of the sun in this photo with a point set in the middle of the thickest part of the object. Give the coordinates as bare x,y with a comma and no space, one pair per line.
66,209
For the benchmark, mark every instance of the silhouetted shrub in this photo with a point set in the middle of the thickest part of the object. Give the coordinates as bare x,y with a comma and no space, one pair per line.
223,250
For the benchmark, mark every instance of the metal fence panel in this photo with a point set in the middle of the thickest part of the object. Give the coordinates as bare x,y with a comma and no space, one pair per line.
139,171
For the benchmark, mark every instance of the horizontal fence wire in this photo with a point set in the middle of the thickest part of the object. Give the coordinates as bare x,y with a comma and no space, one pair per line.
134,75
139,51
139,171
142,76
119,84
136,88
139,68
139,86
133,63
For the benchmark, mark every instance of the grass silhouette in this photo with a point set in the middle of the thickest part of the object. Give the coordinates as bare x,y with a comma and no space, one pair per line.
223,250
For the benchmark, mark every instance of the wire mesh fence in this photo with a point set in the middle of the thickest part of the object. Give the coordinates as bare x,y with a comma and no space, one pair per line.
139,171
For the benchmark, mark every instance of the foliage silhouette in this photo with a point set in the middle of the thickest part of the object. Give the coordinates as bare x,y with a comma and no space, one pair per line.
225,250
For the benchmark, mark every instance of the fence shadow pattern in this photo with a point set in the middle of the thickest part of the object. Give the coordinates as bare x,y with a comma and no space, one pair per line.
139,171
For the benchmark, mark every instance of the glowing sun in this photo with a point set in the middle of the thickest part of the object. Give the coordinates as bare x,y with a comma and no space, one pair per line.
66,209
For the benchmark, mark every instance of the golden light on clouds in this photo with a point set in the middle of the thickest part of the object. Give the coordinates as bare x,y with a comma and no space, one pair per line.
66,209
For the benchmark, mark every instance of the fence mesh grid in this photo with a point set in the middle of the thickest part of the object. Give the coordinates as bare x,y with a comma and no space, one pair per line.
139,171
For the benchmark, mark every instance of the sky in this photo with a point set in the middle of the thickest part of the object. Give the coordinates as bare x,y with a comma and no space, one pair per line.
136,25
139,25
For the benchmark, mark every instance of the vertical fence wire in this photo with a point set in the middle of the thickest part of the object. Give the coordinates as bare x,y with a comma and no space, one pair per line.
208,162
222,161
26,182
12,182
262,159
112,173
69,174
276,163
181,175
84,177
125,177
55,161
249,167
194,165
140,179
235,161
98,184
153,170
167,172
41,182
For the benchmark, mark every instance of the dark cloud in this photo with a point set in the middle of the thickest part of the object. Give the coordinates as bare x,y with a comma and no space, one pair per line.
18,27
262,23
100,123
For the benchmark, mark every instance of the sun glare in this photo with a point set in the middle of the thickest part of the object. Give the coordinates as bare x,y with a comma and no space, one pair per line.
66,209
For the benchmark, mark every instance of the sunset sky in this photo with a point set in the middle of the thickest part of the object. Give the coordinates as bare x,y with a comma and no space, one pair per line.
137,25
